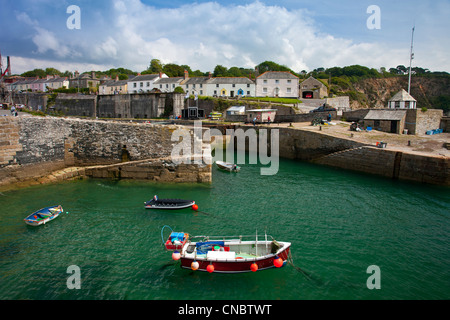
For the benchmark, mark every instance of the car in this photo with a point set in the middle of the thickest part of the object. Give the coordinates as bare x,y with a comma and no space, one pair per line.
324,108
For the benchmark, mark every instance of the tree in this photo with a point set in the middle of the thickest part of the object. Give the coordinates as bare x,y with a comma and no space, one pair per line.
272,66
173,70
402,69
155,66
220,71
35,73
53,71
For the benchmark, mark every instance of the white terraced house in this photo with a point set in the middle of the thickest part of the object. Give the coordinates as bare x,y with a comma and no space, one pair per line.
281,84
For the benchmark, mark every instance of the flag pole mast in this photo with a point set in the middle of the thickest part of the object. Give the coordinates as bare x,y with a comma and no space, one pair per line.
410,60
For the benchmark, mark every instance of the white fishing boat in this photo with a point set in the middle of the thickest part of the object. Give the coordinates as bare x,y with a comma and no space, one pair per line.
229,254
230,167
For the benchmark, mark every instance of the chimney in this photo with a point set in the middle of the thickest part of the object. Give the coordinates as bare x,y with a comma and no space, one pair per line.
186,75
117,78
93,74
210,75
160,75
76,74
8,66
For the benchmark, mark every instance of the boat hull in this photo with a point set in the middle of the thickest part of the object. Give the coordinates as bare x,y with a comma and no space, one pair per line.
237,265
227,166
169,204
31,221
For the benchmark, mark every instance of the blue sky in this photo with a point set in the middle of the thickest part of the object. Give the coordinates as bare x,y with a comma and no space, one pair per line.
302,34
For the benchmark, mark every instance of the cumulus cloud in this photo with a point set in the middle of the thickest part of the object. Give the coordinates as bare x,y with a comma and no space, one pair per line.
203,35
44,40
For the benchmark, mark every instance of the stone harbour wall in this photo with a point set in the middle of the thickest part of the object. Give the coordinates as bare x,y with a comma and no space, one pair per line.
34,147
391,164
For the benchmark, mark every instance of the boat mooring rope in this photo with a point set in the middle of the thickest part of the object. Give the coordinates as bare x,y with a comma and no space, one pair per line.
290,260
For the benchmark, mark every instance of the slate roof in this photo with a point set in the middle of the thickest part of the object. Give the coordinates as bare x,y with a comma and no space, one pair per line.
231,80
395,115
402,96
277,75
196,80
145,77
169,80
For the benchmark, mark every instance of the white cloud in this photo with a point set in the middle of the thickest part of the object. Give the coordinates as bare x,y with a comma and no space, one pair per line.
203,35
43,39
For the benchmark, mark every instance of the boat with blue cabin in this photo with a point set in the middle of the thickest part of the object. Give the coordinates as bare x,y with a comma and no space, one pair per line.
226,254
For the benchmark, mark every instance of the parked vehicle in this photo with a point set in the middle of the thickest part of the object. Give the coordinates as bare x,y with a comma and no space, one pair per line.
324,108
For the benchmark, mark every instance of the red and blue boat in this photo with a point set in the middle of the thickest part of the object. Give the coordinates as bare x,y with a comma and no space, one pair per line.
229,254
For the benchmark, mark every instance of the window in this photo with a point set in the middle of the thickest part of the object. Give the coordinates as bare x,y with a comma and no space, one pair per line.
277,81
248,93
289,81
217,85
248,85
288,90
148,84
142,84
265,81
160,86
167,86
234,86
264,90
201,91
134,85
201,86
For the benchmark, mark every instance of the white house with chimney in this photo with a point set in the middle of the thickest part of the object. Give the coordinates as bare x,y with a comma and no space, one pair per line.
144,83
280,84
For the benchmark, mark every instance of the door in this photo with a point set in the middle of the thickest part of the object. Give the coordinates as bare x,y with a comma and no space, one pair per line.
394,126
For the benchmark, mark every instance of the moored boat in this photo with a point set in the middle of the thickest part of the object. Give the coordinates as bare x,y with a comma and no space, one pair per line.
230,167
228,254
43,216
168,204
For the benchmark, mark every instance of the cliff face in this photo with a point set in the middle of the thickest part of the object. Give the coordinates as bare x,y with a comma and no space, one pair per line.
376,92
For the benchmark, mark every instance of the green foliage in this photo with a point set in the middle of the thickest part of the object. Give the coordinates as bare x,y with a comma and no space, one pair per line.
35,73
178,90
173,70
272,66
441,102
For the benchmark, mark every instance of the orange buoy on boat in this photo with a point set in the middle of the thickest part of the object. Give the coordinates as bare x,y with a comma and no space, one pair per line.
254,267
278,262
195,207
210,268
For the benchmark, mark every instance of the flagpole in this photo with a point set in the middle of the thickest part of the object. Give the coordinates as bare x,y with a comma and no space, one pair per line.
410,60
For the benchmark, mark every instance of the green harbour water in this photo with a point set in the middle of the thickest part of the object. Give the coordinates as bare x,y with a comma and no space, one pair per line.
339,224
